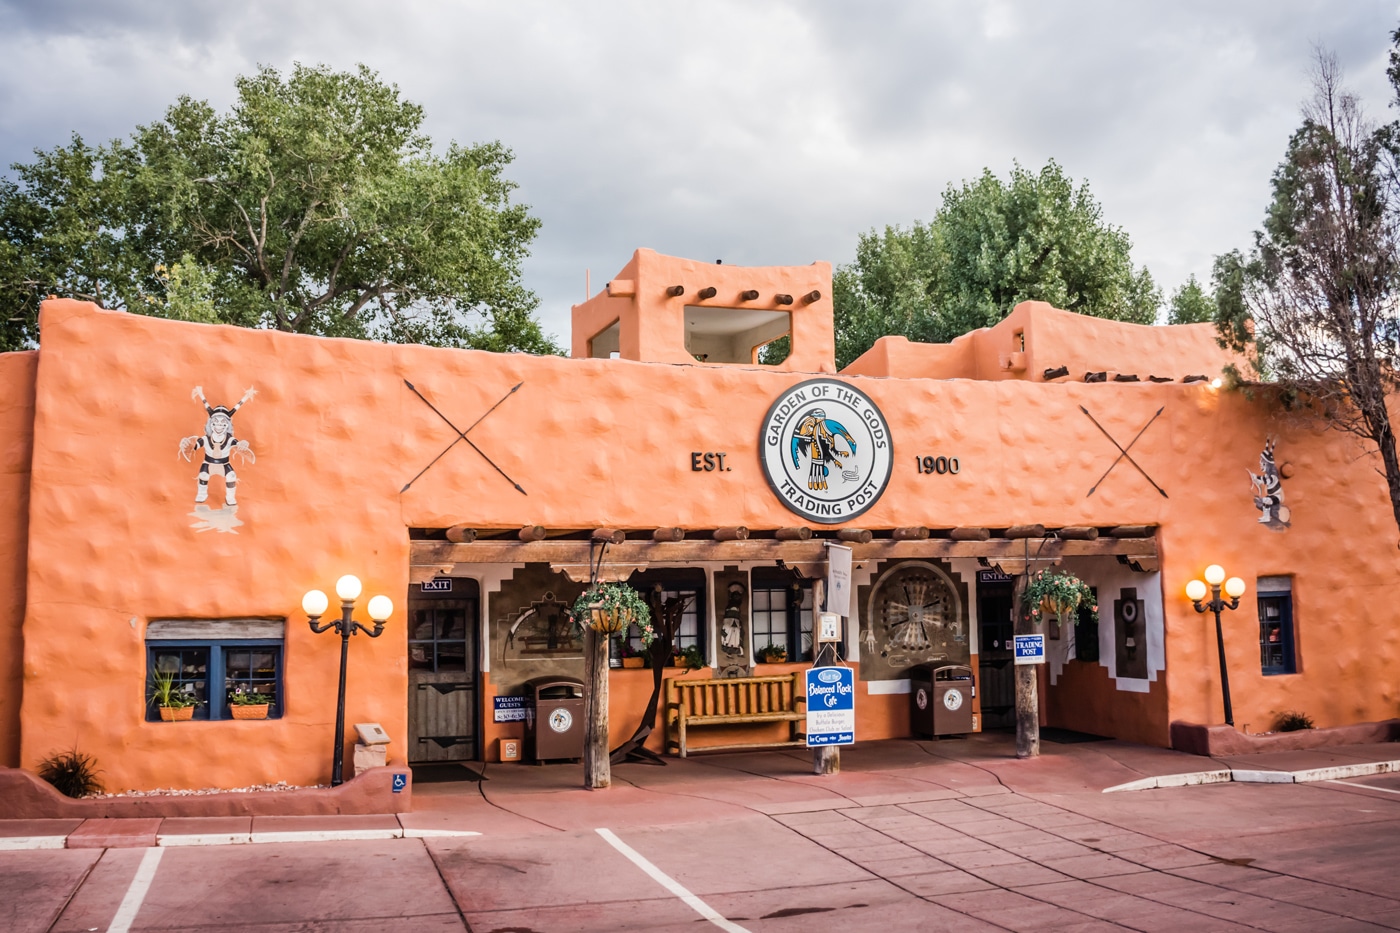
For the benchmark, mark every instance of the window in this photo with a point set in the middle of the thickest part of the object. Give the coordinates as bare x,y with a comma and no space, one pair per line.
781,606
687,584
1275,599
211,659
437,636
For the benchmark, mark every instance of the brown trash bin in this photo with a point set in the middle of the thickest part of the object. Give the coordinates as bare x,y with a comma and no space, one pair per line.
556,730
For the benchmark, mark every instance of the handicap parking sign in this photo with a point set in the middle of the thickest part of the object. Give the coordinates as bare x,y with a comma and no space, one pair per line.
400,782
1030,649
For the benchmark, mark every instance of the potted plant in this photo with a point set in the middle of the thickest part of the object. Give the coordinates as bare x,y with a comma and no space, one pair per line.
1058,593
175,703
611,608
248,704
630,655
688,658
772,654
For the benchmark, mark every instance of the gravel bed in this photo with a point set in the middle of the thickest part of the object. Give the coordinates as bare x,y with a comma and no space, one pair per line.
206,791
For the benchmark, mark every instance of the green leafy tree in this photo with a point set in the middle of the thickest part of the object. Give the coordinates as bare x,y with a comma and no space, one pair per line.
991,245
1316,302
315,205
1191,304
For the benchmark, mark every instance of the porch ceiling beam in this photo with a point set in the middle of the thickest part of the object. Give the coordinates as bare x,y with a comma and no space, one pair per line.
441,554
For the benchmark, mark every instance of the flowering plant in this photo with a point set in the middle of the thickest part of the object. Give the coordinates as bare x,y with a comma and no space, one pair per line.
242,696
1058,592
612,607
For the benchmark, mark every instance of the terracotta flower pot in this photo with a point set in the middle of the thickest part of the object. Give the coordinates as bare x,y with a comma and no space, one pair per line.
250,712
176,713
633,662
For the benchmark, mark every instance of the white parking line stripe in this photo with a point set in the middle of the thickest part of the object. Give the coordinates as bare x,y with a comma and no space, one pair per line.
671,884
145,874
1384,790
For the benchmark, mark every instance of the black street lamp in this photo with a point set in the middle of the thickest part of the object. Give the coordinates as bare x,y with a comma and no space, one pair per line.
314,603
1234,588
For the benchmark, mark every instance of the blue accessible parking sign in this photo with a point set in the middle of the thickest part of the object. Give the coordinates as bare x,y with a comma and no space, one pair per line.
831,706
1030,649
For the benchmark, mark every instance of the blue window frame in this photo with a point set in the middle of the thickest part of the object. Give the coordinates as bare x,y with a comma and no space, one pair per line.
211,670
1276,651
781,607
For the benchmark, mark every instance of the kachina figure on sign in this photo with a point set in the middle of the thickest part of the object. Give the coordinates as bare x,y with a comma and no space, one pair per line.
219,446
815,436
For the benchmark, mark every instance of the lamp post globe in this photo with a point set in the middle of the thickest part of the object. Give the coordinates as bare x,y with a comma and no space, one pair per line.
1215,574
380,608
1196,591
348,588
1234,587
314,603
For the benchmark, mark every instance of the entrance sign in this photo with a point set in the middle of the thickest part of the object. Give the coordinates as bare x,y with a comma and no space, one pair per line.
831,706
826,450
1030,649
838,579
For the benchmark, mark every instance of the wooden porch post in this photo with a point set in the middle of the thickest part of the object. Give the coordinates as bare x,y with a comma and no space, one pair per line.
826,759
597,768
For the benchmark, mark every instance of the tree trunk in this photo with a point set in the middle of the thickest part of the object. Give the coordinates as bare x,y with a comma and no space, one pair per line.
1027,702
826,759
597,770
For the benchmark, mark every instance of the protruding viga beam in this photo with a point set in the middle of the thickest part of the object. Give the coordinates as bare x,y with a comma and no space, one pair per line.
436,554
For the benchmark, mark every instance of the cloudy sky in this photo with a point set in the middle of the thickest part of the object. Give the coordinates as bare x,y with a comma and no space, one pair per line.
762,133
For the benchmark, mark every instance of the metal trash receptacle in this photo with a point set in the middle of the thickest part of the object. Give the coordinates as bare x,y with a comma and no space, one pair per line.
921,700
557,728
953,690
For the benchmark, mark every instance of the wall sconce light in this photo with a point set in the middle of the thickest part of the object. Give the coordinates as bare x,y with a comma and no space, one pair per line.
1196,592
314,604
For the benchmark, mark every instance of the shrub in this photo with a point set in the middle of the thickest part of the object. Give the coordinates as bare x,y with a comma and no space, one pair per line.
72,773
1292,721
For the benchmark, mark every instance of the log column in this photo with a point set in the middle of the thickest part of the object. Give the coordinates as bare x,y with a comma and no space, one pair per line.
1027,700
597,770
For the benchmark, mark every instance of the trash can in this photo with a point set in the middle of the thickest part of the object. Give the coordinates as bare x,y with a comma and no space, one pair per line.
953,690
557,728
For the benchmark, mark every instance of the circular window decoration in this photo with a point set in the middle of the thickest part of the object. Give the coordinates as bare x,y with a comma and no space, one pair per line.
915,614
826,450
953,699
560,720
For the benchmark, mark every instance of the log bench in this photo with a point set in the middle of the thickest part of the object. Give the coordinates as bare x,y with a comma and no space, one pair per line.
734,701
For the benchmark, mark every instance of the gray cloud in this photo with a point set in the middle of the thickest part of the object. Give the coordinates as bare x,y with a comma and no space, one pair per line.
760,133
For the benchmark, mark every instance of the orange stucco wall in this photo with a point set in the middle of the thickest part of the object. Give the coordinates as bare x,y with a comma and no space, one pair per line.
606,443
1052,338
16,447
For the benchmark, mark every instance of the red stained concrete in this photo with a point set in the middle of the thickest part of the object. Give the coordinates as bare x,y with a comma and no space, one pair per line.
114,834
24,796
1216,741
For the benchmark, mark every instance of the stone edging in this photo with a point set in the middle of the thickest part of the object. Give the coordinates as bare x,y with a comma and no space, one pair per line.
1252,776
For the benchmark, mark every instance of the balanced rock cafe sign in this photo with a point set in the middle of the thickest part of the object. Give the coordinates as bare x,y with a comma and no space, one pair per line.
826,450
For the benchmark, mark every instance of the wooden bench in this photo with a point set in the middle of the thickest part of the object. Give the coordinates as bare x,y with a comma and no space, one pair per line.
734,701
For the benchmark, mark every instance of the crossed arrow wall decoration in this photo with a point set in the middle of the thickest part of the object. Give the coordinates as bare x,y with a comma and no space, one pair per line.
1123,452
462,436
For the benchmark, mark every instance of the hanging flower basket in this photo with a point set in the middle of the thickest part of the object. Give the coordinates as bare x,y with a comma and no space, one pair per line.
612,608
1059,593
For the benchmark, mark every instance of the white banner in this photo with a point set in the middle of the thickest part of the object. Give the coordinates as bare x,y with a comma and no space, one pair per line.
838,579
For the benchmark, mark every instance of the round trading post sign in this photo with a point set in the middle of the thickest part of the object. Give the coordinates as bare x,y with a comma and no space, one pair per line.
826,450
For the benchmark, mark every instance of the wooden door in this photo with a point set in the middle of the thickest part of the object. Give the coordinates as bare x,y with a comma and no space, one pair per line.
443,673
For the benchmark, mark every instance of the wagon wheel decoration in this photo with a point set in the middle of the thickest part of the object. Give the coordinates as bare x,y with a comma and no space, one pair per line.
916,611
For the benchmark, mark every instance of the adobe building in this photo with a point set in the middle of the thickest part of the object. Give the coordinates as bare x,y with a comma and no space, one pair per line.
468,486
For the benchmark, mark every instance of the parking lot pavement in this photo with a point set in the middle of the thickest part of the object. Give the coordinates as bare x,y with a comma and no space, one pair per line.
911,836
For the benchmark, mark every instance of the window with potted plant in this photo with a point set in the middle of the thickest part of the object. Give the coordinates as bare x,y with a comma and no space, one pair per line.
172,697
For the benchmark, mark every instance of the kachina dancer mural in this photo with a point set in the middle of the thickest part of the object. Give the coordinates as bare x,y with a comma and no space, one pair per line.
1268,490
220,447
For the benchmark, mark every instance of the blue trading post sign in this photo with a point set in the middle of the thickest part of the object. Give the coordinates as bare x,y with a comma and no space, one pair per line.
831,706
1030,649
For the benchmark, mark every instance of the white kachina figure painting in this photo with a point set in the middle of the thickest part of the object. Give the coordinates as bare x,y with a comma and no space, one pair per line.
1268,490
220,447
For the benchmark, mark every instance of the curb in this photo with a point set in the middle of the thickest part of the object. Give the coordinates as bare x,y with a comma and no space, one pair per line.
1254,776
168,840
